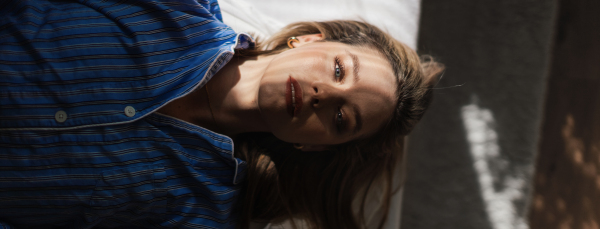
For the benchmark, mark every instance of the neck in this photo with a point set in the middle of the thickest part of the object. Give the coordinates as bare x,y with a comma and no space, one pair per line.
232,95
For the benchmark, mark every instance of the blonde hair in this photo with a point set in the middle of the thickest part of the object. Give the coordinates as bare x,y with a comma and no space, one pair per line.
319,187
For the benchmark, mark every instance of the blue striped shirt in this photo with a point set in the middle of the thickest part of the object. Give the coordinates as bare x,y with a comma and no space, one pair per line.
80,144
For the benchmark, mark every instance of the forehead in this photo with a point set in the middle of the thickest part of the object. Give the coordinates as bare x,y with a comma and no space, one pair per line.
373,65
375,90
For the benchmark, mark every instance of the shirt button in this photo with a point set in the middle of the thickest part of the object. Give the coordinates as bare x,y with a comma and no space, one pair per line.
60,116
129,111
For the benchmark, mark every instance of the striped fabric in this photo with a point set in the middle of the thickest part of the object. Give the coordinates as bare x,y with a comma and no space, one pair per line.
80,146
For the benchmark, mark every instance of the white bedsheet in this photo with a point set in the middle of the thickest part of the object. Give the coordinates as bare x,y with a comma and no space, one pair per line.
400,18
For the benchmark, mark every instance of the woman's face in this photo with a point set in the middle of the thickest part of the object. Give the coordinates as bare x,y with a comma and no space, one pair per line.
327,93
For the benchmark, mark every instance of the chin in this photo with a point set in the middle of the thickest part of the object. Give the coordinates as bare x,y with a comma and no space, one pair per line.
282,138
280,131
276,120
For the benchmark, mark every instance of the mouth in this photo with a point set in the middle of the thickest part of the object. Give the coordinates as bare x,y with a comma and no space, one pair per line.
293,97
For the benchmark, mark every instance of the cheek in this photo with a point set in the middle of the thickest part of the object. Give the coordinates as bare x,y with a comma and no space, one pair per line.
305,64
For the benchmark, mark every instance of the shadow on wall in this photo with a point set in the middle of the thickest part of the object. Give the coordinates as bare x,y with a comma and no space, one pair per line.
567,181
573,201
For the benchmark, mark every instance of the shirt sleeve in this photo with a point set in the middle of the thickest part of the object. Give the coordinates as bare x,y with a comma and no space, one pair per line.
72,64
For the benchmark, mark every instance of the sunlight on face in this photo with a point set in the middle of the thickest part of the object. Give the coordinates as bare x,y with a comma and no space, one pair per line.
327,93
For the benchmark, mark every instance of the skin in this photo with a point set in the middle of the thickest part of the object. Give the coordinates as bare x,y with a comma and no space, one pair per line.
248,95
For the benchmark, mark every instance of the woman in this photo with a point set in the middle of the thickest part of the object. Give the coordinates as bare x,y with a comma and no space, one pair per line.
108,117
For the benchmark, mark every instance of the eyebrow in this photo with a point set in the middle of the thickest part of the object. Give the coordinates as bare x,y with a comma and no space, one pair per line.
356,65
358,119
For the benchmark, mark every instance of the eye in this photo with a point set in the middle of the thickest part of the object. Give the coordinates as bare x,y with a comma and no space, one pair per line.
339,70
339,119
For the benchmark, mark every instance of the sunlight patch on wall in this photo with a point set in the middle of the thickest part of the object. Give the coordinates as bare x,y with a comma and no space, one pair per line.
498,192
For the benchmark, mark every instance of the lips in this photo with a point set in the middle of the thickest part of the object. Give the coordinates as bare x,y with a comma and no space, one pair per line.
293,97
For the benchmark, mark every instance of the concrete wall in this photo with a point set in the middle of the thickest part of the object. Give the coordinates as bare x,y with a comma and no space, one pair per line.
470,161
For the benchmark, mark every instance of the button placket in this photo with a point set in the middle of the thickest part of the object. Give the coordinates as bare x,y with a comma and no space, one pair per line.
60,116
129,111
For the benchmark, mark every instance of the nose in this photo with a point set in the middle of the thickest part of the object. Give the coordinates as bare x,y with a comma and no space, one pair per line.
323,95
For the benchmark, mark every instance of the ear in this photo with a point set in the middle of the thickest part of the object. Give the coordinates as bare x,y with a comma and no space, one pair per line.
307,39
311,148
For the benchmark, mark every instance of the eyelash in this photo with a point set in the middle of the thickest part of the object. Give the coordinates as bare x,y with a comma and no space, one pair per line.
339,119
340,66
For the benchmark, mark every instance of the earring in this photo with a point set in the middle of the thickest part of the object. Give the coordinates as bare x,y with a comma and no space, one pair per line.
298,146
290,40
